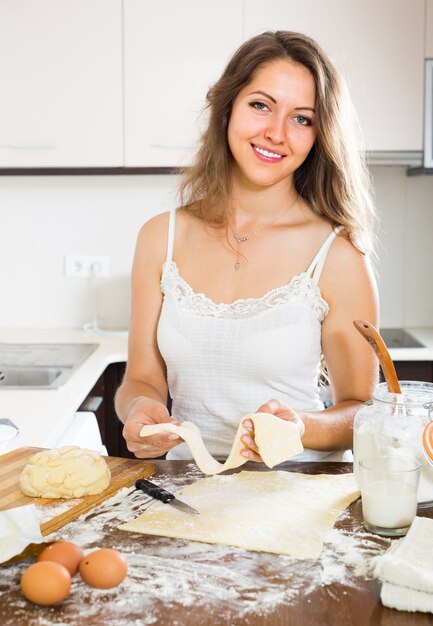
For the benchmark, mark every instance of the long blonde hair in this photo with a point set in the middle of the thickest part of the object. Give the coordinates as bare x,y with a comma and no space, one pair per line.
333,179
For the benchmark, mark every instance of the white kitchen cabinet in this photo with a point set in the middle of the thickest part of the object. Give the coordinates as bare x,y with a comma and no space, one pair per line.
173,52
61,83
429,30
379,47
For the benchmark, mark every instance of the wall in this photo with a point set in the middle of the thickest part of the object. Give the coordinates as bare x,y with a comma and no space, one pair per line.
405,251
45,218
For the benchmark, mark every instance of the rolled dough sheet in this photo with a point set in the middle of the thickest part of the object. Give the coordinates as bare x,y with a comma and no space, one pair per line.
276,439
279,512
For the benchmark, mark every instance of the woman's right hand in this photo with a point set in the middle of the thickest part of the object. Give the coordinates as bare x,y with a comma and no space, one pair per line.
148,411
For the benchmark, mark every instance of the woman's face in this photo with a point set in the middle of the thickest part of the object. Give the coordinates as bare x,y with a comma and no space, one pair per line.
272,124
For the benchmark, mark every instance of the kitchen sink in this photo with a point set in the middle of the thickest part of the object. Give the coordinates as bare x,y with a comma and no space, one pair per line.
29,376
40,366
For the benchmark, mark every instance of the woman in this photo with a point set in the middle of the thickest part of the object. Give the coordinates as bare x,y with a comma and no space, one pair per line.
237,295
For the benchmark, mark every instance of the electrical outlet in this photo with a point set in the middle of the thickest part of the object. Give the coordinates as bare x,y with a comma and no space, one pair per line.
86,266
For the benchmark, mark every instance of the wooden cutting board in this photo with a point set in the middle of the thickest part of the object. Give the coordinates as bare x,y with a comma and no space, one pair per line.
58,513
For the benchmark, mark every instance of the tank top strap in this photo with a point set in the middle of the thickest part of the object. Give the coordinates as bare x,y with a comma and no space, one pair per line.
316,265
171,233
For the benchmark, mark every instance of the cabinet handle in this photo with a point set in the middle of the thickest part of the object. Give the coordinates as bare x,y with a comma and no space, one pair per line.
27,146
168,146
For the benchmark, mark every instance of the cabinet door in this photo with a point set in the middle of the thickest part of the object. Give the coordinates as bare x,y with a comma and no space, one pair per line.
378,45
173,52
414,370
61,79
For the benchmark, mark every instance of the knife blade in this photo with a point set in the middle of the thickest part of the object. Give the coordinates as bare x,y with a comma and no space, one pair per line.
157,492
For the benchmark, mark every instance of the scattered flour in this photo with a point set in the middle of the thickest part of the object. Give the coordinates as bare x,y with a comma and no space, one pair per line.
166,574
49,511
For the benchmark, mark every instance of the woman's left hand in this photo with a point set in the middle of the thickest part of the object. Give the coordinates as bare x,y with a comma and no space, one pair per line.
275,407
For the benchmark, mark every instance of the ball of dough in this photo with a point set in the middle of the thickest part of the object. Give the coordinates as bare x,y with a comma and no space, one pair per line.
69,472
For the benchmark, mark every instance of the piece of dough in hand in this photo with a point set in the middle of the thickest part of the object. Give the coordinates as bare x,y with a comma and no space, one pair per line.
276,439
68,472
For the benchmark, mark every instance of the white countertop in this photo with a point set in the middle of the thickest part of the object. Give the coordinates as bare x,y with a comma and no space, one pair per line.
425,336
43,415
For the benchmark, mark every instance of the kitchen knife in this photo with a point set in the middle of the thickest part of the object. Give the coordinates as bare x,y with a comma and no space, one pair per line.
157,492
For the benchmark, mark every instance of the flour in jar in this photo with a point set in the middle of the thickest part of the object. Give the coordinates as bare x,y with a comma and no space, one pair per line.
370,441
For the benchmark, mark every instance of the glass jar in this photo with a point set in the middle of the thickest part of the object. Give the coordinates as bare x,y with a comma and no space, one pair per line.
393,423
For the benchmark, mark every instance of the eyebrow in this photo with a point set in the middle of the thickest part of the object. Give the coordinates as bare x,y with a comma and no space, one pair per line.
263,93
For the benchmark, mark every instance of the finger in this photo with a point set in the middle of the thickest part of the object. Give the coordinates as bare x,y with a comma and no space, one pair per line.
271,406
156,449
249,442
163,438
283,412
280,410
131,432
249,426
251,456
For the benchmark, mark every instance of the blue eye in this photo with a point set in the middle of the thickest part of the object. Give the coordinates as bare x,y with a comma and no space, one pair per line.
304,121
259,106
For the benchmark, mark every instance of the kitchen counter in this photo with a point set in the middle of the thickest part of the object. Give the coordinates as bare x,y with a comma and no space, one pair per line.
43,415
425,336
177,582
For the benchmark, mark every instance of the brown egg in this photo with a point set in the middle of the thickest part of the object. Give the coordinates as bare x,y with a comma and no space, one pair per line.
46,583
64,552
103,569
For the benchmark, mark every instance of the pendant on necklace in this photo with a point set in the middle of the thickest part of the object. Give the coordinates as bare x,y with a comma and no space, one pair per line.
239,240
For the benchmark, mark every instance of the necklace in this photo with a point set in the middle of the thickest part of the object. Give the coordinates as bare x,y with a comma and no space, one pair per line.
243,238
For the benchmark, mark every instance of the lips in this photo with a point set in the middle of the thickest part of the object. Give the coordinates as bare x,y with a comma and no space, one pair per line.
269,156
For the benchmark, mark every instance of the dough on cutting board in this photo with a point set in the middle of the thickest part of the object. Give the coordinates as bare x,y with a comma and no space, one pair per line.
276,439
68,472
279,512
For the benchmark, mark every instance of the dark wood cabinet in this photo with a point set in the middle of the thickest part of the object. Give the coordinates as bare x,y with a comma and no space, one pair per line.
100,401
413,370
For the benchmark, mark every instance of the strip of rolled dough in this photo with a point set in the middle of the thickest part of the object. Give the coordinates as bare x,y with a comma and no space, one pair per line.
278,512
276,439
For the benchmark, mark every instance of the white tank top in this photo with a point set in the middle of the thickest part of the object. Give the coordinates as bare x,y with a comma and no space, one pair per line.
225,360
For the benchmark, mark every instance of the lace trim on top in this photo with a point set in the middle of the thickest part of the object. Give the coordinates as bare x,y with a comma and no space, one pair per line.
301,288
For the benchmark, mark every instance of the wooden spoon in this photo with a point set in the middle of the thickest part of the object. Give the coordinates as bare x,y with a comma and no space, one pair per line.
373,337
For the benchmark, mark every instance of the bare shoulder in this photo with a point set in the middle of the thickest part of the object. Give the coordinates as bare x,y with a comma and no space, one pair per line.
157,226
152,239
154,230
347,270
344,255
151,246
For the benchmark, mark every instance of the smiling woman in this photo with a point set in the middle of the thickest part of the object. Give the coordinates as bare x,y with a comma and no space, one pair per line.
272,122
241,292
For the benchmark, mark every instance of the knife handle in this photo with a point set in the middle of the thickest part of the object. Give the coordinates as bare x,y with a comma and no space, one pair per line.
155,491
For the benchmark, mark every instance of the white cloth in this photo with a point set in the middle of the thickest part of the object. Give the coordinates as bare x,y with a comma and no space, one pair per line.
406,569
19,527
405,599
225,360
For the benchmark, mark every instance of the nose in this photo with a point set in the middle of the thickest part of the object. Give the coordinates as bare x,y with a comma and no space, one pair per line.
275,130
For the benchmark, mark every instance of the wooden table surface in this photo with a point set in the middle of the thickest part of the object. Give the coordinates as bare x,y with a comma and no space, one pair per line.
181,583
